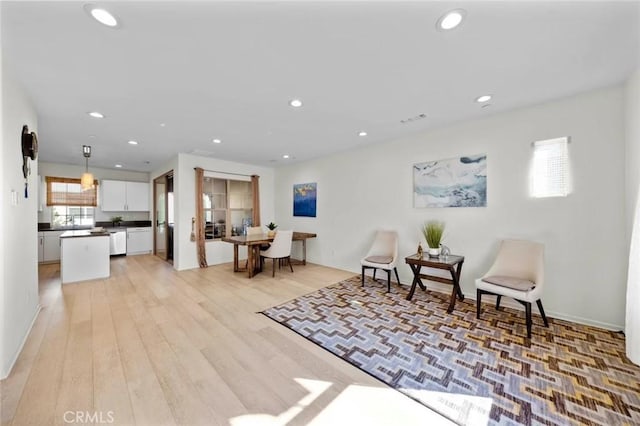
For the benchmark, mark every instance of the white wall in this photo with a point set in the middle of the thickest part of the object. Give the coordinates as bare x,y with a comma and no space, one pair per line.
632,140
184,194
74,171
362,190
632,145
18,235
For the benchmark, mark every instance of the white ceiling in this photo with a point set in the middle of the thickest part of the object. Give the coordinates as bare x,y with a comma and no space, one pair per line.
228,70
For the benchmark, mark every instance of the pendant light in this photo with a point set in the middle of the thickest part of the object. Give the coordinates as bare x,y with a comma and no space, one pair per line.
86,181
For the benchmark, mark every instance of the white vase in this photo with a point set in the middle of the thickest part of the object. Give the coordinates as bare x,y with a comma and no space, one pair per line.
434,252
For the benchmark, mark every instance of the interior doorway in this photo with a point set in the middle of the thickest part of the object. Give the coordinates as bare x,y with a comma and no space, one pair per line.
163,216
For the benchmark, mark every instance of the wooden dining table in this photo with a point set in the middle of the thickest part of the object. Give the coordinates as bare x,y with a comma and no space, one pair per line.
253,243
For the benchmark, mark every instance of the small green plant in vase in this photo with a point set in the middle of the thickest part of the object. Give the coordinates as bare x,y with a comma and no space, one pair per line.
433,231
116,220
272,229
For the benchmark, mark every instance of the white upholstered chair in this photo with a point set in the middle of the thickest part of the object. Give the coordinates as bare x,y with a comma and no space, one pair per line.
383,254
517,272
280,249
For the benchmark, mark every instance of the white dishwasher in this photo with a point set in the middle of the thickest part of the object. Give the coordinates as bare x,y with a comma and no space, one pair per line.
139,240
117,242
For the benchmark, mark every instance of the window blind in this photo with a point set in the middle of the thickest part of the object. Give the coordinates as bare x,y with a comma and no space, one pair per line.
550,171
68,192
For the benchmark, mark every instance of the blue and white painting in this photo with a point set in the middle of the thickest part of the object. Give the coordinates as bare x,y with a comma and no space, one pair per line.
454,182
304,199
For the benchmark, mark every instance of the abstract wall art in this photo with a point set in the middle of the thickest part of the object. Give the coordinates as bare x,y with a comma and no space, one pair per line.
304,199
453,182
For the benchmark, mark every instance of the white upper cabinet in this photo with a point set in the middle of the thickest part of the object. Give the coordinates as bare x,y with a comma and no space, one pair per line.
138,196
121,196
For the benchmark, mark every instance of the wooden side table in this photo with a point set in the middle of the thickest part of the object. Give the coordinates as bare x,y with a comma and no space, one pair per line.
451,263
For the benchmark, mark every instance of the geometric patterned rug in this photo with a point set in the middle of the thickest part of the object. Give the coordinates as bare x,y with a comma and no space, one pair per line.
472,371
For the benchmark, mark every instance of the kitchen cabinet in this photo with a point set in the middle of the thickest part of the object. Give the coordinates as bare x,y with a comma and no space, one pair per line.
40,247
122,196
139,240
85,256
49,246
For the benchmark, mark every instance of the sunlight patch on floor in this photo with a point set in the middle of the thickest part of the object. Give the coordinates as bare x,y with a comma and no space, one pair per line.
469,410
356,404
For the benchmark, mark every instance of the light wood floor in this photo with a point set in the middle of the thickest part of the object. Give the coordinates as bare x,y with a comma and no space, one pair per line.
152,346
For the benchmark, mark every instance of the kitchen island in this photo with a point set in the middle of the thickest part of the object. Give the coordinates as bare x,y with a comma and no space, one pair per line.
84,255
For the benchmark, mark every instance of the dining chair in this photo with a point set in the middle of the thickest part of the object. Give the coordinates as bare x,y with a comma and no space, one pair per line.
383,254
518,273
280,249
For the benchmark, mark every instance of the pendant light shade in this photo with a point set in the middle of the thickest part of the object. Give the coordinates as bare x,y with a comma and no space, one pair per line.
86,181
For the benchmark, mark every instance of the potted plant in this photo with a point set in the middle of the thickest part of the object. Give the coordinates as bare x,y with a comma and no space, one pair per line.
433,231
116,220
272,229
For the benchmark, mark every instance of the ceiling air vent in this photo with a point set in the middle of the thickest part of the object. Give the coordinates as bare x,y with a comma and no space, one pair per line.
412,119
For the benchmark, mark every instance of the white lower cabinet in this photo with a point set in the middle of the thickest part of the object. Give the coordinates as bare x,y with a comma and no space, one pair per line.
40,247
139,240
84,258
49,246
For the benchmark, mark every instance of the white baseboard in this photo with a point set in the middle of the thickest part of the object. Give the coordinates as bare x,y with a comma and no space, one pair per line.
6,371
510,303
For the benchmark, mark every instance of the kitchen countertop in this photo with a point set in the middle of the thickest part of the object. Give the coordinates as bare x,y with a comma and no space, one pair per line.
84,233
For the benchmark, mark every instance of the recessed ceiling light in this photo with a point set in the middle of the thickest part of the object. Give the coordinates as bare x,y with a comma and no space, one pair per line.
118,166
362,134
133,142
217,141
285,156
296,103
101,15
483,98
96,114
162,124
451,20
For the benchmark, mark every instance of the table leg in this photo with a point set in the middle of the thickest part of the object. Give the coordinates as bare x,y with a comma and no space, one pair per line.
455,277
235,258
457,280
304,251
250,261
416,280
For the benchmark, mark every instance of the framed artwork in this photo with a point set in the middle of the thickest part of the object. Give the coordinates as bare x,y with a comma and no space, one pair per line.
453,182
304,199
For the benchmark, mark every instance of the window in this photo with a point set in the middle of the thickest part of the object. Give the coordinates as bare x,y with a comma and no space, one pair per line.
62,216
550,169
227,205
68,192
71,206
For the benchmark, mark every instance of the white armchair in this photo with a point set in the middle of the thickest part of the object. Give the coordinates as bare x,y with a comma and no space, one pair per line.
280,249
383,254
517,272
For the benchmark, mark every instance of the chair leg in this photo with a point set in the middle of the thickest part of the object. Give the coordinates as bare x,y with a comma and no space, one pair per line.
527,308
388,280
362,275
290,267
498,299
374,273
397,277
273,274
544,317
478,300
